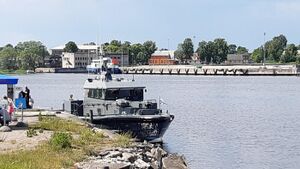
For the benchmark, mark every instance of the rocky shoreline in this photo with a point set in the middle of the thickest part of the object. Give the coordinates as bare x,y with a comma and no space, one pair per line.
141,155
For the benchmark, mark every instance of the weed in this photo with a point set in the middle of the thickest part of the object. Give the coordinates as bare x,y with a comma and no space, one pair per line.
123,140
31,132
61,140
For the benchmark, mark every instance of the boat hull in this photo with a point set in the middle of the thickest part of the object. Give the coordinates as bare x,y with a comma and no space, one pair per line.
141,127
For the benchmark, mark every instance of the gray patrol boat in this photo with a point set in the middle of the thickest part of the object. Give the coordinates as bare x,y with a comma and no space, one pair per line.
118,104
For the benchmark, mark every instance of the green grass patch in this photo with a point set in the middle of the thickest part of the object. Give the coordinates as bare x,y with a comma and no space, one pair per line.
58,124
9,71
123,140
43,157
71,142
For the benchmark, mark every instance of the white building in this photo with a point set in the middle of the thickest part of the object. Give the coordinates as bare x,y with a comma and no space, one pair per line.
85,55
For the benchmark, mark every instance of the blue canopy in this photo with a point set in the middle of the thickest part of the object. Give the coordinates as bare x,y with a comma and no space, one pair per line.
4,79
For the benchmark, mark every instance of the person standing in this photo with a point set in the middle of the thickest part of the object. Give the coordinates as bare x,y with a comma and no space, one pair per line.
27,97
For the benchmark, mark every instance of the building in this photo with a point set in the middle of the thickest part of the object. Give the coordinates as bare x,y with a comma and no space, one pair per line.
238,58
81,49
163,57
76,60
119,58
85,55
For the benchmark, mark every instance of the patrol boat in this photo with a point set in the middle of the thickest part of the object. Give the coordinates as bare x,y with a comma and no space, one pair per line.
118,104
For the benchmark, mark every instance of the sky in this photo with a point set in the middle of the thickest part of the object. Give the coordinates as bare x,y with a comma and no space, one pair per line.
167,22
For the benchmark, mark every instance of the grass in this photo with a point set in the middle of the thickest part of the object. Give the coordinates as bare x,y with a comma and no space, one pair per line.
9,71
84,142
123,140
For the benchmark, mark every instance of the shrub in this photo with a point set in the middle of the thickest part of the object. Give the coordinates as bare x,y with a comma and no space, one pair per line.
61,140
89,135
31,132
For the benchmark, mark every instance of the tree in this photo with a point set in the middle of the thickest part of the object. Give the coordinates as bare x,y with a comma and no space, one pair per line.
179,54
232,49
149,48
30,54
275,47
221,48
289,54
8,58
136,54
258,55
71,47
113,47
187,48
242,50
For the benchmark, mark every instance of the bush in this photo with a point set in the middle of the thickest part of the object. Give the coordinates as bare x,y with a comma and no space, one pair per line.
61,140
88,136
31,132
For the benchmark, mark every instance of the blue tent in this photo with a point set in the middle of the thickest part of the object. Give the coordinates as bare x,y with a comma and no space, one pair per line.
4,79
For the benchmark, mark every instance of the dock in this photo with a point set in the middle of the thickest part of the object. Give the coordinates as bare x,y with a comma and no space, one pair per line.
229,70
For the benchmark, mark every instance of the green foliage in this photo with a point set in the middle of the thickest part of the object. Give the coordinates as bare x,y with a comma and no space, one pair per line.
242,50
187,48
58,124
8,58
290,54
88,136
215,51
135,49
71,47
232,49
30,54
31,132
149,49
257,55
60,140
123,140
275,48
179,53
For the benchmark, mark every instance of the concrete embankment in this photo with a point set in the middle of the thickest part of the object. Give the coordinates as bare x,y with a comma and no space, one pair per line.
234,70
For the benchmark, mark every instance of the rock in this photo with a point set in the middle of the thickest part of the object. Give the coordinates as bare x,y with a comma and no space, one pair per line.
141,164
5,129
129,157
103,153
21,124
113,154
175,162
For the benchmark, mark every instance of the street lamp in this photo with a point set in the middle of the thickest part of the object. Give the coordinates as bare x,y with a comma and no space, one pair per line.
264,47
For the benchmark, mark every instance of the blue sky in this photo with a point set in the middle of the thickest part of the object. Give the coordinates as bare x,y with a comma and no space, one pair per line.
55,22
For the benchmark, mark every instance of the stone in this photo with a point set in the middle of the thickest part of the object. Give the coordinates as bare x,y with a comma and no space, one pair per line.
114,154
103,153
21,124
174,161
141,164
5,129
129,157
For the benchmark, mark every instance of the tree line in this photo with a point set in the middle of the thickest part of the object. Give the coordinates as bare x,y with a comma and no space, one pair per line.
274,51
25,55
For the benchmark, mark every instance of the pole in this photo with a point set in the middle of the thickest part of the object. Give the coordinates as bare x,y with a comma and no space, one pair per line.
264,47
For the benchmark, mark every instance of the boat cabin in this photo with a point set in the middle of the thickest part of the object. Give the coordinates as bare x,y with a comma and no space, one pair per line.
117,88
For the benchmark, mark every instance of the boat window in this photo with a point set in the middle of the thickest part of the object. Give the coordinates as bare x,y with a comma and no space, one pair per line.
128,94
95,93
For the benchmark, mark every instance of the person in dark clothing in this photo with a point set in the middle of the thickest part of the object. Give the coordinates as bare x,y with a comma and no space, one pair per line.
27,96
21,94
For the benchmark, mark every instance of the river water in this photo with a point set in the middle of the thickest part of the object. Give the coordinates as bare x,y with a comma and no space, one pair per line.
220,122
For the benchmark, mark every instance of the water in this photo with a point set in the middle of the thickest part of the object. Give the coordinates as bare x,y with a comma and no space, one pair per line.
220,122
